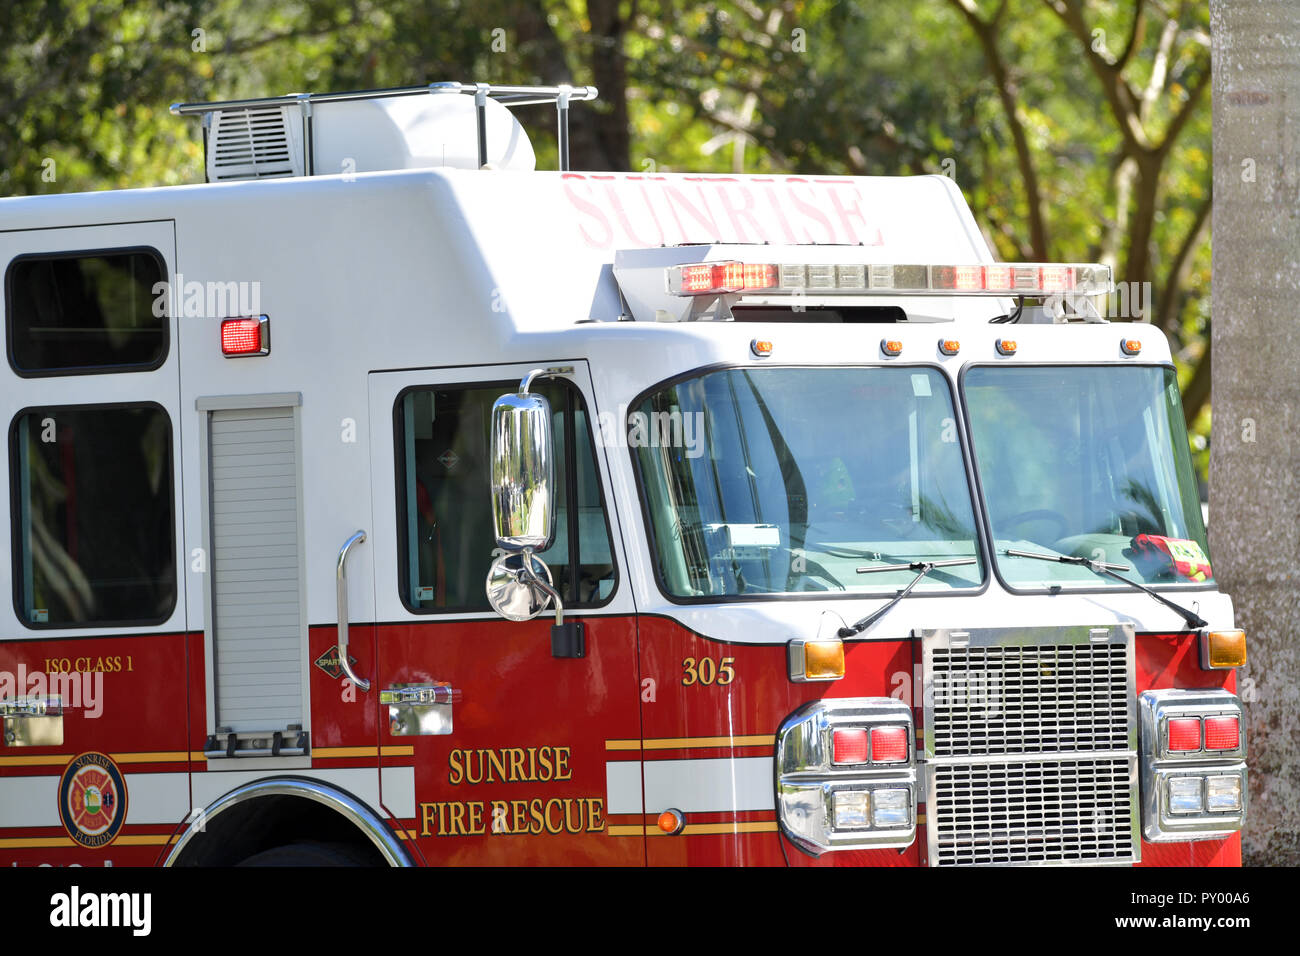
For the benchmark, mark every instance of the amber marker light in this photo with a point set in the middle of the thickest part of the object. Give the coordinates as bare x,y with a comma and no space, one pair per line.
1225,649
816,660
949,346
1130,346
891,347
1006,346
760,348
672,822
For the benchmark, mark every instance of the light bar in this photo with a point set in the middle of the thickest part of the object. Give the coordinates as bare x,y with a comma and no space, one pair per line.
1031,279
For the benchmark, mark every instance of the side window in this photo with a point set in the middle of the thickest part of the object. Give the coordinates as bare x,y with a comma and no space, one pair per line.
94,533
445,507
76,312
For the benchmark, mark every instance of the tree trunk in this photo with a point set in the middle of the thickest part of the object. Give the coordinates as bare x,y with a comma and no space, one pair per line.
1255,449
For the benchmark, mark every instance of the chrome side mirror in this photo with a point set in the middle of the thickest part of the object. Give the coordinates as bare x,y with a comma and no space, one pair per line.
523,471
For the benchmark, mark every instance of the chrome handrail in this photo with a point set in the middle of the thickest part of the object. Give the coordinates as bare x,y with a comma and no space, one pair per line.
508,96
341,581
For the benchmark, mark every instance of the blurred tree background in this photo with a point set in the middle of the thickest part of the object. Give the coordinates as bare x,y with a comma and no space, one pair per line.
1079,131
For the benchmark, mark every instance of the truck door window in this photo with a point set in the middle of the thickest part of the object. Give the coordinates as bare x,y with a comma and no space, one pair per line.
94,536
445,507
76,312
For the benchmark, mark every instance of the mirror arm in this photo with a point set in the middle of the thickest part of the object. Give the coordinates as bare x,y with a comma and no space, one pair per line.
527,381
527,570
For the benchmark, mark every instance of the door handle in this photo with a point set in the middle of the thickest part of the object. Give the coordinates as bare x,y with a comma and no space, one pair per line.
341,582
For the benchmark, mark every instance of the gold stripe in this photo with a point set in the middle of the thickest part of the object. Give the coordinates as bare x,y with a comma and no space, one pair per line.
132,839
698,829
58,760
26,843
165,756
681,743
613,830
706,829
142,839
397,750
36,760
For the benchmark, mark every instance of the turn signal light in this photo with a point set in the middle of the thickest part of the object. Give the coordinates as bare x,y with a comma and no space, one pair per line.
1227,649
671,822
816,660
1184,734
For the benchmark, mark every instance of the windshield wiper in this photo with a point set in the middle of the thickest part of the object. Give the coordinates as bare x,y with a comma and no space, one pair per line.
1109,570
921,567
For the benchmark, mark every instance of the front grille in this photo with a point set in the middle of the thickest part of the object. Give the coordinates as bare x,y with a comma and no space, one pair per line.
1042,698
1033,812
1030,746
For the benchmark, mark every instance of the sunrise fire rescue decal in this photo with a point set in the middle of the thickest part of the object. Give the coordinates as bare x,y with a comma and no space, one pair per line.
531,815
92,800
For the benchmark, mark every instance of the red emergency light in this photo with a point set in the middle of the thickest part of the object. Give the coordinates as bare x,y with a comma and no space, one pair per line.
247,336
1034,279
1222,733
850,745
1184,734
888,744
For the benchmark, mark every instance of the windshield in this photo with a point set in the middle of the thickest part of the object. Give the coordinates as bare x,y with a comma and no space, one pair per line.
1090,462
778,480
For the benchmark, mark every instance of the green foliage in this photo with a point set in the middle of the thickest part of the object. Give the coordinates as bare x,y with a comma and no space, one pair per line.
881,88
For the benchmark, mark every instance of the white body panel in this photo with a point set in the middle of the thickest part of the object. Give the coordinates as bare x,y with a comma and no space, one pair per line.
421,270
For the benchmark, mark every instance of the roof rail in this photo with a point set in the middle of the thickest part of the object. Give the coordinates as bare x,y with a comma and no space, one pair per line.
508,96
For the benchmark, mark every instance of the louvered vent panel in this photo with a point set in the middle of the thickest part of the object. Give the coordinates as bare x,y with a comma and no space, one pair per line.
251,143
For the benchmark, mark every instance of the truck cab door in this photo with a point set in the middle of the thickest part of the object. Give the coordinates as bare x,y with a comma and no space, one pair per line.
509,746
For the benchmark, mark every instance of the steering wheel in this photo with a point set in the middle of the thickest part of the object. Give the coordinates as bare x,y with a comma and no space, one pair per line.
1038,514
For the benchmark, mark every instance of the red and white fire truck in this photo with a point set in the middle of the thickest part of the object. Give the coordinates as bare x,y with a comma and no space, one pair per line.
384,500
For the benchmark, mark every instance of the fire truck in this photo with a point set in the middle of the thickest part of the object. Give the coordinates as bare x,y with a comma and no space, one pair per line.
383,500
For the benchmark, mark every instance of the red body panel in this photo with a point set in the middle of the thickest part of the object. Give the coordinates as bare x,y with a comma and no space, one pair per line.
527,751
532,738
142,729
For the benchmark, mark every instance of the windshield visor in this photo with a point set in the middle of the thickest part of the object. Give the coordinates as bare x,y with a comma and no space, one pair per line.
789,480
1090,462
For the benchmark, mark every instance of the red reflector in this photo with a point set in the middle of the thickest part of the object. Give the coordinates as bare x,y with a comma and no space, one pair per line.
242,337
1222,733
850,746
888,744
1184,734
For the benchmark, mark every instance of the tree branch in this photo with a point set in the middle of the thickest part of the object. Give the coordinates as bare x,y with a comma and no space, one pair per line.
987,36
1136,34
1179,267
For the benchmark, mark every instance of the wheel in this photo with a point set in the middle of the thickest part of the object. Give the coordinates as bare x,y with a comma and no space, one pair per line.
311,854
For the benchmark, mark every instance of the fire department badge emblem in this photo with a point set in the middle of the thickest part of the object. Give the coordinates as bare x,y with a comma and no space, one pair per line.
92,800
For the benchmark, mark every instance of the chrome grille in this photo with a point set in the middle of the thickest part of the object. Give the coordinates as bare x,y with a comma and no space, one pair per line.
1030,746
1041,698
1033,811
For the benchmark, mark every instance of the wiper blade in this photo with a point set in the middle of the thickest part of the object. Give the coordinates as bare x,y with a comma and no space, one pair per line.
921,567
1194,621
